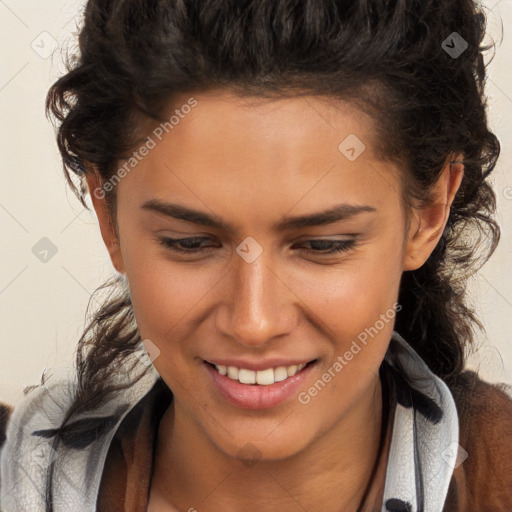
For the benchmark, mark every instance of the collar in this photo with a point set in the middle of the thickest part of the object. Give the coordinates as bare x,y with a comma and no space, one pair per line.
422,452
425,436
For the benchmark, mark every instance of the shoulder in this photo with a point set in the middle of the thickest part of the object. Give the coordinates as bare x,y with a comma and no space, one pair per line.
25,451
483,480
484,409
50,443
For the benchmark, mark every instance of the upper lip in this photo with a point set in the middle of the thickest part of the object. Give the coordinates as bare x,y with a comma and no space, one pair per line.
258,365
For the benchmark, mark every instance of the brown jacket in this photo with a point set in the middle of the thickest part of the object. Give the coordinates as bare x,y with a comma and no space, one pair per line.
483,482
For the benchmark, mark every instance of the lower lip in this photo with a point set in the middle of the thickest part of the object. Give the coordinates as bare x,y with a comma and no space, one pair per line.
254,396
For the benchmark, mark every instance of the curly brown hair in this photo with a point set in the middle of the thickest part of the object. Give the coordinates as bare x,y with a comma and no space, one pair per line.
388,58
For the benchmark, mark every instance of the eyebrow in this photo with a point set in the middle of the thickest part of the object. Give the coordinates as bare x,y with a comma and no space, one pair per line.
334,214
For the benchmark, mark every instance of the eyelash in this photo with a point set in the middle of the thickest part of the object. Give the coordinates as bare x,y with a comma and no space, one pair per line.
337,246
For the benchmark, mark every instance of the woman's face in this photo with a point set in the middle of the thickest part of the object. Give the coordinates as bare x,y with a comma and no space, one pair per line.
251,182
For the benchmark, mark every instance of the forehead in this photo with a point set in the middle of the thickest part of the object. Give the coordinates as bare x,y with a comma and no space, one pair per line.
287,123
259,150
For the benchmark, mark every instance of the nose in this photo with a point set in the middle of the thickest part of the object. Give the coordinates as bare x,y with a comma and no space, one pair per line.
257,306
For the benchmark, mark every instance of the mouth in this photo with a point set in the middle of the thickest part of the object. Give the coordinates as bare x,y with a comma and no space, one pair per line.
265,377
259,389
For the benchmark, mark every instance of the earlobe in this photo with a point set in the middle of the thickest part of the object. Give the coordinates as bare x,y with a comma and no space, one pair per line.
429,222
108,233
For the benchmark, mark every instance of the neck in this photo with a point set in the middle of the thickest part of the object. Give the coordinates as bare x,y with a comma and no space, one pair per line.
341,470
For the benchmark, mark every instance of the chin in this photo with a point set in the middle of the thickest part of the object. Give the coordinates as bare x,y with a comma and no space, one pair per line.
252,449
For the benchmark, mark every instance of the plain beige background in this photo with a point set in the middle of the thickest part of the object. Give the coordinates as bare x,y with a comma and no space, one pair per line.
42,305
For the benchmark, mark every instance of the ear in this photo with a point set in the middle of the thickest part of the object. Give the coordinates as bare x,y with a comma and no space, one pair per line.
108,232
428,223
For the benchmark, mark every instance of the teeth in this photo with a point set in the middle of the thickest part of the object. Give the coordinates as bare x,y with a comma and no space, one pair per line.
261,377
233,372
292,370
247,376
280,374
265,377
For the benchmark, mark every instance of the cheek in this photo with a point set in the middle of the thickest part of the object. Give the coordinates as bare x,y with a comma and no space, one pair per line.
352,296
164,293
358,309
165,301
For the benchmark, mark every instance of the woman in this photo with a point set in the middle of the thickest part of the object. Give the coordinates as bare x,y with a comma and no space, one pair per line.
288,191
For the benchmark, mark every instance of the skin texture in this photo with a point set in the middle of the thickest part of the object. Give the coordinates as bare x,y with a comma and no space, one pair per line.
251,163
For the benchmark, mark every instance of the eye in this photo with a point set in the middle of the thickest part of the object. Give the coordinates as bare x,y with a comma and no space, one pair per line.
192,245
184,245
329,246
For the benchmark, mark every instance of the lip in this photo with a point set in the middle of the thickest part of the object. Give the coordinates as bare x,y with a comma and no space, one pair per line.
253,396
259,365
